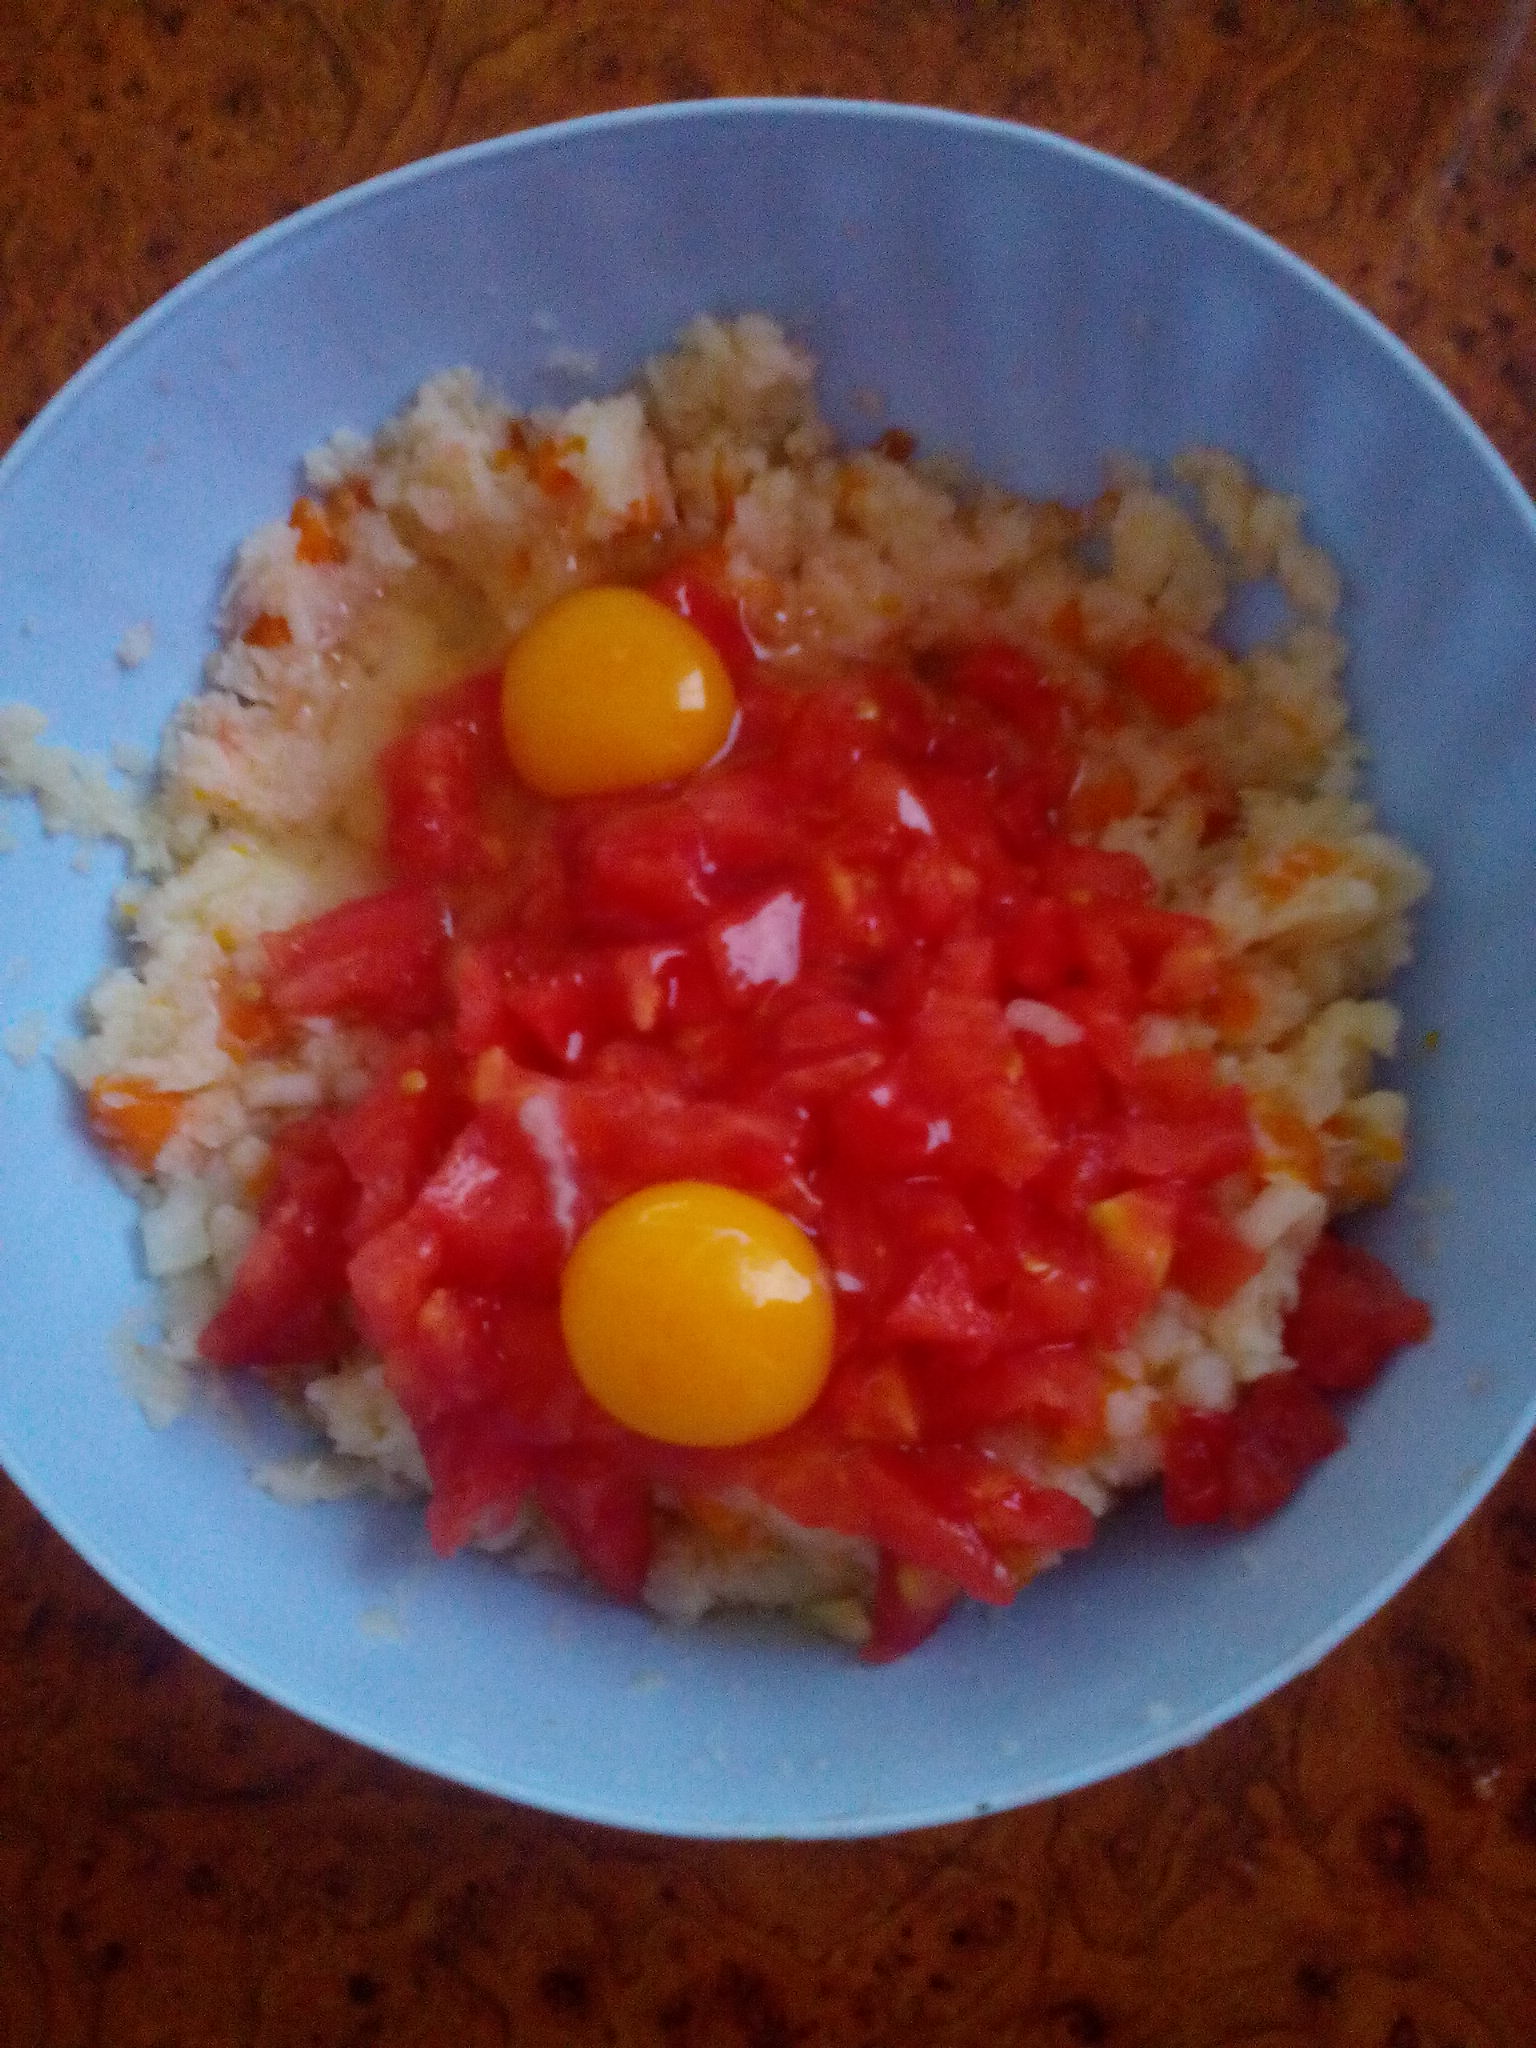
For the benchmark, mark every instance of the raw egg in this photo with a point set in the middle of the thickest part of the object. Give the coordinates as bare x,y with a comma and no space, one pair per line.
609,689
698,1315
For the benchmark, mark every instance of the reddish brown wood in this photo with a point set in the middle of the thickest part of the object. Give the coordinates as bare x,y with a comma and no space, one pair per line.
1353,1863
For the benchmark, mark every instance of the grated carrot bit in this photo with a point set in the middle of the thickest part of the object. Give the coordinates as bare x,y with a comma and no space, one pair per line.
345,500
1098,800
1079,1442
549,471
247,1021
318,543
1172,686
643,515
1371,1158
513,452
1236,1007
1068,625
132,1118
727,1526
1287,1142
268,629
1282,878
725,497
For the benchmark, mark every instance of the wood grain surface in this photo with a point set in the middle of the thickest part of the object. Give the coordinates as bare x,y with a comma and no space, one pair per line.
1352,1863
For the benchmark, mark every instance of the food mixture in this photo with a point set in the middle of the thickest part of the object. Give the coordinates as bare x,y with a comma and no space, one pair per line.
761,1019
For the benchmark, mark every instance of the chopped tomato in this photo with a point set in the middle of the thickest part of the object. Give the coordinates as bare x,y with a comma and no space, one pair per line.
489,1203
874,1401
1055,1389
604,1513
1136,1229
437,777
940,1307
1020,1522
378,960
1008,680
908,1606
429,787
1351,1315
695,587
390,1278
287,1303
1183,1125
392,1138
1240,1467
868,968
480,1473
1210,1260
1283,1428
1197,1460
645,869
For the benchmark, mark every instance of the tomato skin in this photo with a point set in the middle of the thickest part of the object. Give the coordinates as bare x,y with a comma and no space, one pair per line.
1351,1314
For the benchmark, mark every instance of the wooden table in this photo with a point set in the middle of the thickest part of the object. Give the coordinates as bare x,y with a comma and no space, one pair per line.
1353,1863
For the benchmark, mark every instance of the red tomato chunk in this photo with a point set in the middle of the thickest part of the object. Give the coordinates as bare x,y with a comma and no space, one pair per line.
788,974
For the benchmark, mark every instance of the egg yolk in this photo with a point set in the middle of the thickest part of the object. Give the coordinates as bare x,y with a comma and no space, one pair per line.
698,1315
609,689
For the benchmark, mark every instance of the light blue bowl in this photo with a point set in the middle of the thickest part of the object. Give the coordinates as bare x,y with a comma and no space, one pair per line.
1033,305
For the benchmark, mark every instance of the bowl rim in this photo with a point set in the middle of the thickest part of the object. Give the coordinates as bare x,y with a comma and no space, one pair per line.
766,106
1158,1741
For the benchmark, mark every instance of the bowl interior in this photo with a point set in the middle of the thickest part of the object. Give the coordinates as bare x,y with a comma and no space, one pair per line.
1030,305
